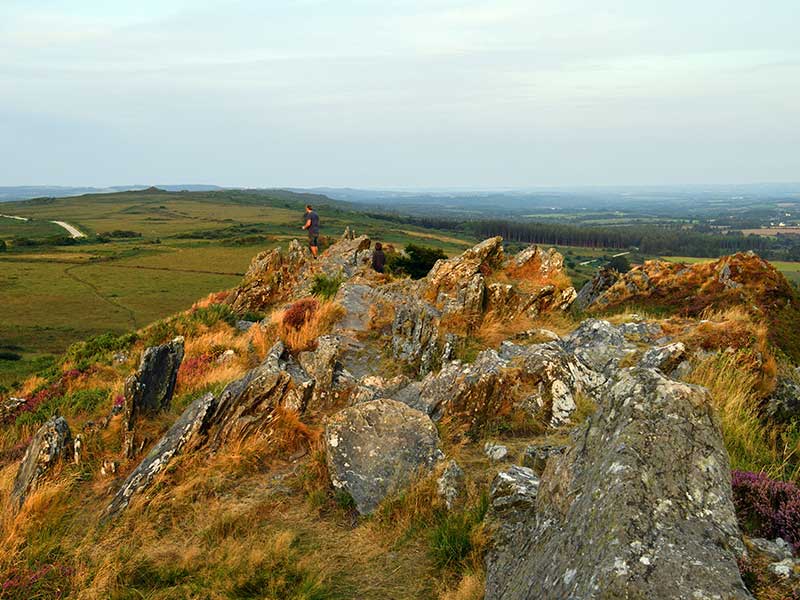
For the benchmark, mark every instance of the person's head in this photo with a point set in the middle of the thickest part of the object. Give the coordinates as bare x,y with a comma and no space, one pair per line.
378,246
309,208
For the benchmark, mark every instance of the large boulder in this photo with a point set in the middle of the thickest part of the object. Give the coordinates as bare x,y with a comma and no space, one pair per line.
150,389
415,335
639,507
51,441
376,448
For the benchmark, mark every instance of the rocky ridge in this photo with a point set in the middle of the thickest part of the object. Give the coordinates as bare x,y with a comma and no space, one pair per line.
636,504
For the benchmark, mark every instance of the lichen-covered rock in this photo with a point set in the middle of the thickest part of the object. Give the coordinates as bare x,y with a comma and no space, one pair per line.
322,364
150,389
246,406
783,405
639,507
666,358
185,430
52,441
537,455
599,345
457,285
452,486
376,448
495,451
270,278
777,549
554,379
596,287
415,335
511,515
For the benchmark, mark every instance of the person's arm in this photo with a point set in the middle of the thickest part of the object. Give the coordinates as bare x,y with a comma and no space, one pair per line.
308,224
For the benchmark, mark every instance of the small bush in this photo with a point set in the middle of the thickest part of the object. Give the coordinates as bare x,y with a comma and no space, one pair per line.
299,313
326,287
212,314
766,507
416,262
93,349
10,356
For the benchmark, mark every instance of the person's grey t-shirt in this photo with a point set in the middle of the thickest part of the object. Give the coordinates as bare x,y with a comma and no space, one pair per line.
314,218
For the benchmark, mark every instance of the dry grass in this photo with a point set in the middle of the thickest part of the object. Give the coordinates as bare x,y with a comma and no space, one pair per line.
317,322
212,298
734,330
471,587
494,328
735,392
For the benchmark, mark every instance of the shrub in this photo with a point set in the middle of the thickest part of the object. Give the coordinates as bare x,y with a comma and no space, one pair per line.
416,262
326,287
213,314
84,353
10,356
766,507
300,312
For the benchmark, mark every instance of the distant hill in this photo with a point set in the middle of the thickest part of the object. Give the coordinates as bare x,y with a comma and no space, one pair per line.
26,192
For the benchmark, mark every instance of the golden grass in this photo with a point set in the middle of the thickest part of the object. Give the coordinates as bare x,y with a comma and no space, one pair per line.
317,322
471,587
735,392
495,329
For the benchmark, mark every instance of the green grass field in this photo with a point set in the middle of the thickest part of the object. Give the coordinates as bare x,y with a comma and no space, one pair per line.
36,228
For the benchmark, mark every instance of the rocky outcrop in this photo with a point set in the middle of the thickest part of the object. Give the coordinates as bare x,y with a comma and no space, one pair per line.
50,443
150,389
599,345
639,507
744,280
187,429
415,335
376,448
537,455
270,278
666,358
246,406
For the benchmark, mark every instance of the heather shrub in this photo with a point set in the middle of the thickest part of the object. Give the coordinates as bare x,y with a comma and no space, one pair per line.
766,507
300,312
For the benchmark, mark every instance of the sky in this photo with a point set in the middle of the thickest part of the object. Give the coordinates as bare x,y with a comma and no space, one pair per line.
399,93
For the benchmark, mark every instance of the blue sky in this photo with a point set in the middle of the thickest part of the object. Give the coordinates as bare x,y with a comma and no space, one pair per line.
391,93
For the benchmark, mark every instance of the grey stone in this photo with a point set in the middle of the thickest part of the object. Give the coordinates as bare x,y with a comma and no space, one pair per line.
599,345
537,455
186,429
451,486
51,442
415,335
243,325
639,507
666,358
495,451
376,448
512,509
783,404
777,549
150,389
784,569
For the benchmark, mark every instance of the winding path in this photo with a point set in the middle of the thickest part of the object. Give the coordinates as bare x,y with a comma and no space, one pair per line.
74,232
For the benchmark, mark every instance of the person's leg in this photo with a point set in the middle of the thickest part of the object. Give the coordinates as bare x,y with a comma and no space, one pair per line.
313,242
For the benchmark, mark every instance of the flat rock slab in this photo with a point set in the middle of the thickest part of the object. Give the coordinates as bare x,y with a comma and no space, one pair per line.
376,448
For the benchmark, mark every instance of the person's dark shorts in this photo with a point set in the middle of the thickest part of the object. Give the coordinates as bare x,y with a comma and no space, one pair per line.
313,240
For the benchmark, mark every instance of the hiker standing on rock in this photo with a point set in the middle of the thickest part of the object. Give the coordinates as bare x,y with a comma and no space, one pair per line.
312,226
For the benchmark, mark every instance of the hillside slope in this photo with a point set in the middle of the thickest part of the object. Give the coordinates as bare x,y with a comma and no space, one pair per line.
459,436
